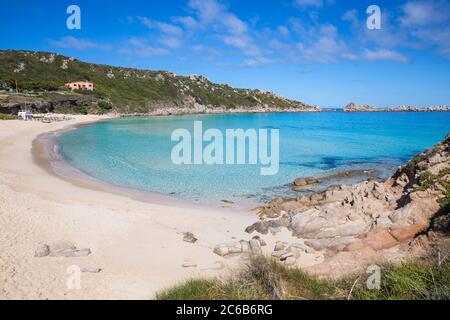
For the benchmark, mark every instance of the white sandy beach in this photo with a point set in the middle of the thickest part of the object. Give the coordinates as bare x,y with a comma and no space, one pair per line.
138,245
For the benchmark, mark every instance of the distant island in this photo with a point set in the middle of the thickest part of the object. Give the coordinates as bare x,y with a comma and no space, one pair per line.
43,82
353,107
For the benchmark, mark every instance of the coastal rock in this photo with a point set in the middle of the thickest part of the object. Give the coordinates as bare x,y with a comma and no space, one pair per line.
252,248
286,255
279,246
299,248
188,263
367,220
278,254
352,107
265,226
290,261
189,237
61,249
42,251
302,182
260,240
227,249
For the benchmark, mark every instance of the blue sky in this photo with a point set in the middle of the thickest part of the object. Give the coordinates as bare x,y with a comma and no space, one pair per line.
316,51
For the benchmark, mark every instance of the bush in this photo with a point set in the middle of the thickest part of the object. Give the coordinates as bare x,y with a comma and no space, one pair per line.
105,106
8,117
263,279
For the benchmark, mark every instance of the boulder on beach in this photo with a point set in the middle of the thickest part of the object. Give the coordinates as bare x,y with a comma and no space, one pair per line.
65,249
189,237
305,181
252,248
42,251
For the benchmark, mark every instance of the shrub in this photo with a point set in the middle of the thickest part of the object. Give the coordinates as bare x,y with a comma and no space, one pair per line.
262,278
105,106
8,117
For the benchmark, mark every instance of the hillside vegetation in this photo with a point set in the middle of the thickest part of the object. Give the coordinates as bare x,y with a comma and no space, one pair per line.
129,90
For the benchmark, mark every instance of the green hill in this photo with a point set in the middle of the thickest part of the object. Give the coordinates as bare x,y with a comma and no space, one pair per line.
128,90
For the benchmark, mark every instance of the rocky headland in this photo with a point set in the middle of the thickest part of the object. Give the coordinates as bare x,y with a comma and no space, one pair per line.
35,81
356,225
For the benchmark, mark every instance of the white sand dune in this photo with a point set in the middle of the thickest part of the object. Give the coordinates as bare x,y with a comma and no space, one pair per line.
138,245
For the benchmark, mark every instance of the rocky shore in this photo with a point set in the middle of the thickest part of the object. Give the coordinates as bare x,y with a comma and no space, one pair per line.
353,107
201,109
369,222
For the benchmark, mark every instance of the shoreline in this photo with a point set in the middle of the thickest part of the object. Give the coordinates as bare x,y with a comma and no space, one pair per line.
138,245
46,156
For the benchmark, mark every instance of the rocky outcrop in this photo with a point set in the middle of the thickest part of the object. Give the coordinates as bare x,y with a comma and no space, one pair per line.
12,104
353,107
368,221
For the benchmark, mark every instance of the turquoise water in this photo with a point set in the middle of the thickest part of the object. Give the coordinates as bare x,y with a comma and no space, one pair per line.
136,152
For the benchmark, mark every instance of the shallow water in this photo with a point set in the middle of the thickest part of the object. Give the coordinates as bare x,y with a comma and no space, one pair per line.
136,152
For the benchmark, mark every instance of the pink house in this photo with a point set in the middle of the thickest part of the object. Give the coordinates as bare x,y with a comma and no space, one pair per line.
80,85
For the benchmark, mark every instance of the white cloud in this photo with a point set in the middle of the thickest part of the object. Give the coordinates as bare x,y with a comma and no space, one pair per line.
428,25
207,10
309,3
351,16
255,62
320,43
283,30
164,27
171,35
141,48
171,42
70,42
439,38
208,16
384,54
229,28
186,21
424,13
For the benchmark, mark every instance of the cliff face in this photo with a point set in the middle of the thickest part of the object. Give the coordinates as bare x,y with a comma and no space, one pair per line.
370,221
49,102
131,90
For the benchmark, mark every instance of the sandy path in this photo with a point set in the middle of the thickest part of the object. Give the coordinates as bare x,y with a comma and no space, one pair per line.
137,245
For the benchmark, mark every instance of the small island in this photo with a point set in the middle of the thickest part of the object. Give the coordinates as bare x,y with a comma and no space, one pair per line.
353,107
